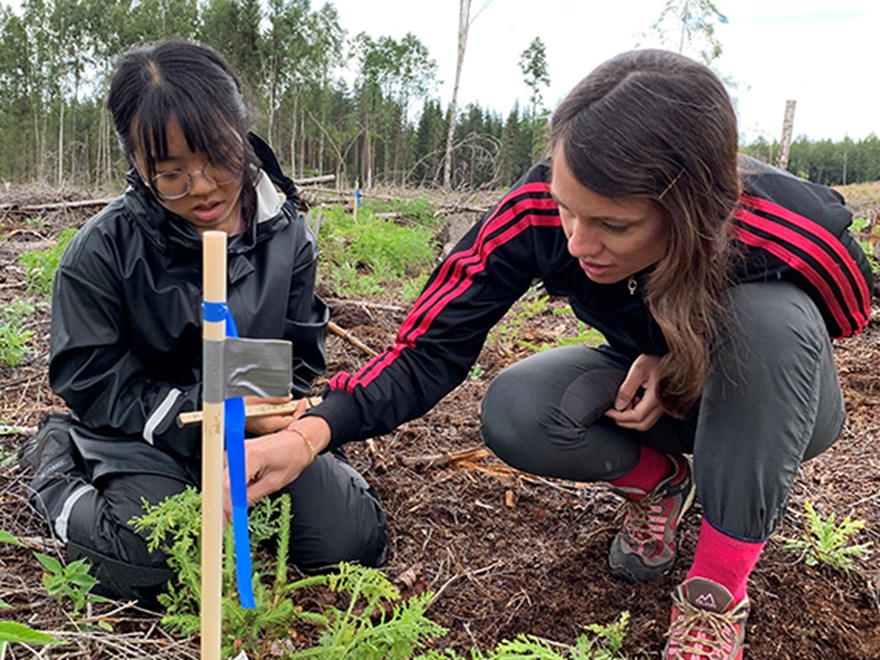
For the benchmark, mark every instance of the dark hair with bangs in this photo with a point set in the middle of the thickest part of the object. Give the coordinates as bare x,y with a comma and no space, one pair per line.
195,85
655,124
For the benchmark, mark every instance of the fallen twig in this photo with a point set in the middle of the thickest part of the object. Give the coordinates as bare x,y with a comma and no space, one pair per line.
17,381
125,645
469,574
469,459
365,304
71,204
17,430
347,336
457,208
437,460
324,178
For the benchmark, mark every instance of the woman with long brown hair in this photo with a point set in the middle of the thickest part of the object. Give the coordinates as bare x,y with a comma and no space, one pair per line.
717,282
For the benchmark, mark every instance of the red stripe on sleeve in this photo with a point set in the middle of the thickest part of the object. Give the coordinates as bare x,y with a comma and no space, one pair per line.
458,270
796,262
831,244
456,263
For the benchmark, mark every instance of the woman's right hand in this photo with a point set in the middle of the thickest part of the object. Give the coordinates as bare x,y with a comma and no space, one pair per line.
273,461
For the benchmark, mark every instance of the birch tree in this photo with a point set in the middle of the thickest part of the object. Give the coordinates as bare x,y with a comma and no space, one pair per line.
533,64
688,26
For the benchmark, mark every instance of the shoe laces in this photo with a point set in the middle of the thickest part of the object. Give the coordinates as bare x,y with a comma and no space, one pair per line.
700,633
645,519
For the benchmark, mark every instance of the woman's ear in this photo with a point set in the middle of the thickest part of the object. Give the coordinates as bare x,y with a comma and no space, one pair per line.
138,168
136,175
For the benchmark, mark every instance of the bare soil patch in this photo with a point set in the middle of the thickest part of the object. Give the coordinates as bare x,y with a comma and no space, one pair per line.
504,552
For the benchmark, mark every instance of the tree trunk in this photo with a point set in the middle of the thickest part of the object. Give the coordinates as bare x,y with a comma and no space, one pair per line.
785,141
105,165
302,142
293,134
273,99
464,14
60,169
367,156
321,134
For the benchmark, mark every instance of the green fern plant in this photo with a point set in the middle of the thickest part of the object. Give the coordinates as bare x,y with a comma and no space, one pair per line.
827,542
605,643
173,526
375,623
14,338
362,257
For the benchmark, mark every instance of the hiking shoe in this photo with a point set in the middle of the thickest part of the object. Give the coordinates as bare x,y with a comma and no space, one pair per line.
646,547
706,623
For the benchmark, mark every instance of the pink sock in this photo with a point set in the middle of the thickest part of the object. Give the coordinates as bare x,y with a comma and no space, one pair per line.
725,560
652,467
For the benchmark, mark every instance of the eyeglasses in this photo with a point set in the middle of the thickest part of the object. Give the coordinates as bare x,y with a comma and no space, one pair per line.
177,183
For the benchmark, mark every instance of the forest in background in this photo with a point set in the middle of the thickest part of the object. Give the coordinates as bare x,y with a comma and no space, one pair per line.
362,107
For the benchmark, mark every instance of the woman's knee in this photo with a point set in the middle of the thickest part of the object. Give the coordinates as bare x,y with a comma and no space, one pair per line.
544,415
357,540
97,520
119,558
509,417
336,517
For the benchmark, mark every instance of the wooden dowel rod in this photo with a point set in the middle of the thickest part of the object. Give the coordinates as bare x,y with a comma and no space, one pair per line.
259,410
214,291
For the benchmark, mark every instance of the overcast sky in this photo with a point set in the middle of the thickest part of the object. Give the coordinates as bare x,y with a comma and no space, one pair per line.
820,53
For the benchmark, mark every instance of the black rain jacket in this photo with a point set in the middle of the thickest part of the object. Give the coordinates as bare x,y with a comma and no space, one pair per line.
126,333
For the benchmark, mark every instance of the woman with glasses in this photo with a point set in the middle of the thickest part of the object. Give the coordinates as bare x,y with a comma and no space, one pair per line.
126,345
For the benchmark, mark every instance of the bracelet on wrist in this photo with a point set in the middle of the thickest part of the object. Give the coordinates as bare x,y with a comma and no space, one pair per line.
312,451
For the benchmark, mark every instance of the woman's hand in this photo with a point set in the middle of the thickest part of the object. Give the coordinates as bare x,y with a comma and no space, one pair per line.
273,461
269,423
637,406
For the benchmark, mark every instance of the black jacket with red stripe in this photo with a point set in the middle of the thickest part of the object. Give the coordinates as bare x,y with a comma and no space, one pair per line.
792,229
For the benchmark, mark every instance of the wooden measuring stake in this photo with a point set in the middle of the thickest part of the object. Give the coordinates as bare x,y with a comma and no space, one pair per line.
258,410
213,428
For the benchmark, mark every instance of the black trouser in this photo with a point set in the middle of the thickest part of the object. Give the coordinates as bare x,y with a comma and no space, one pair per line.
335,517
771,401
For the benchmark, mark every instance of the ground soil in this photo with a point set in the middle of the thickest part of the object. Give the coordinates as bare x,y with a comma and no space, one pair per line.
505,553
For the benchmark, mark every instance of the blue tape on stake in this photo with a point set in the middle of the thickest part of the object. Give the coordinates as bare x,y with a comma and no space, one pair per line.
214,312
234,425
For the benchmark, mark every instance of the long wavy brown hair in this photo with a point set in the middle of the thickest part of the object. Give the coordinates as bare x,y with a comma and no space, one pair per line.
657,125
